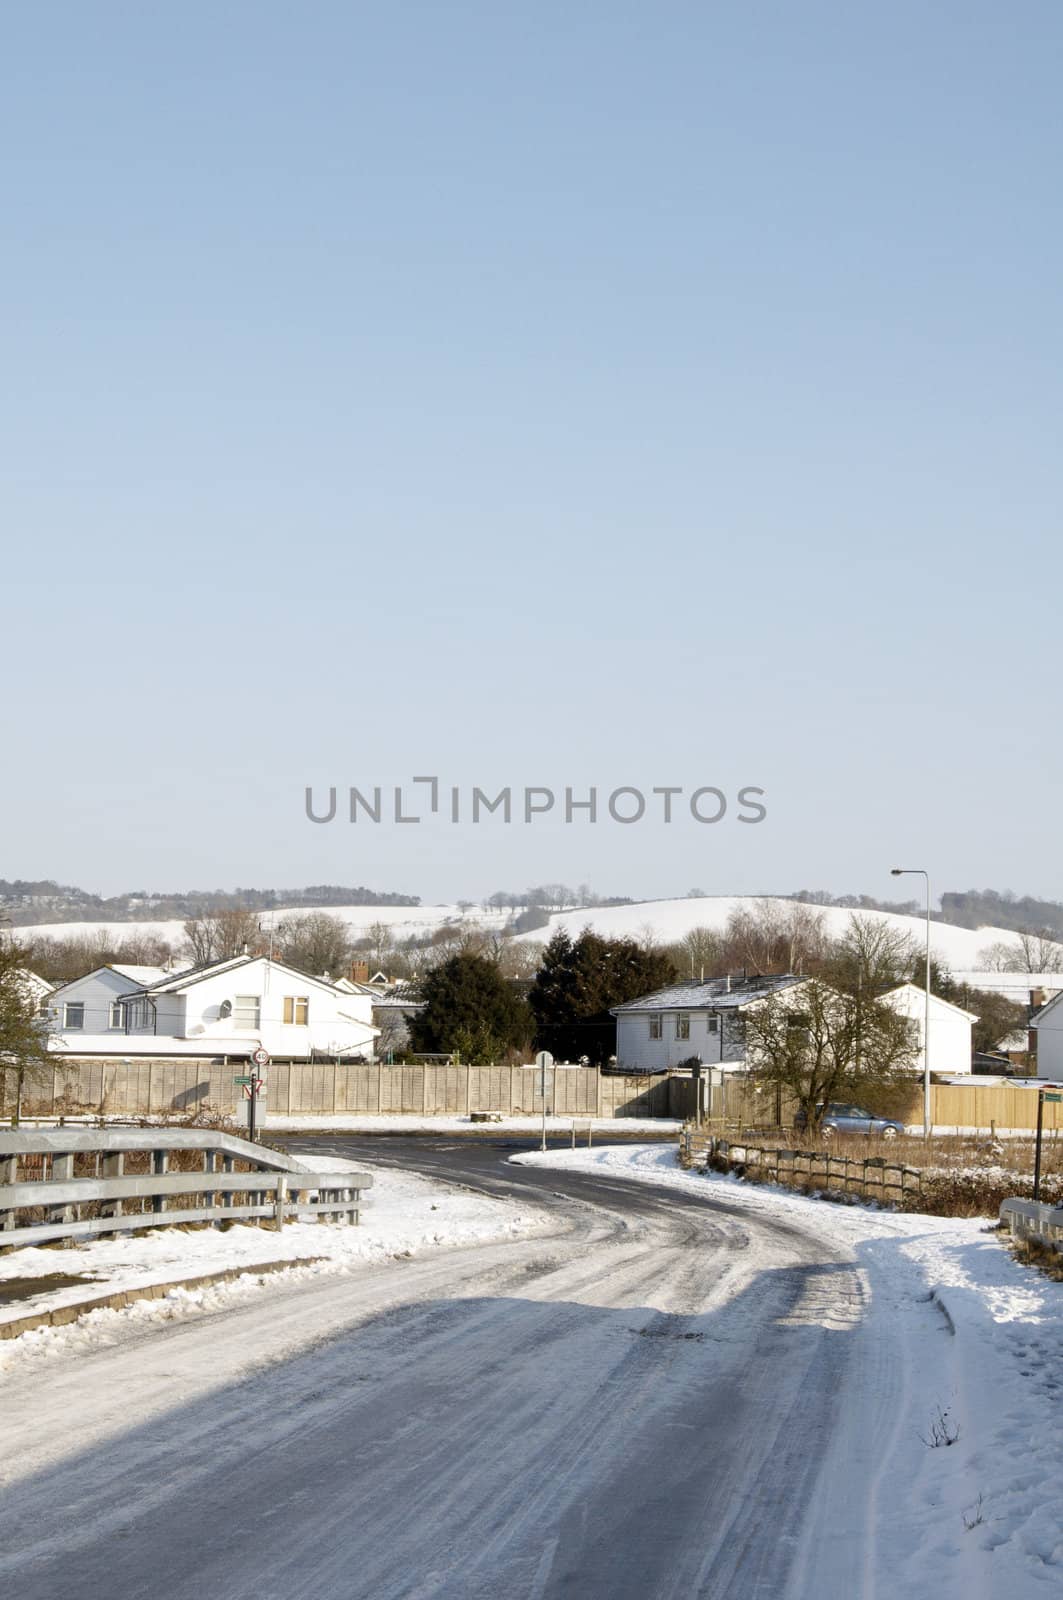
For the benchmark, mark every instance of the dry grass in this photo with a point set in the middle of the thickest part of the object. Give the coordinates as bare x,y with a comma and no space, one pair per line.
1035,1253
961,1176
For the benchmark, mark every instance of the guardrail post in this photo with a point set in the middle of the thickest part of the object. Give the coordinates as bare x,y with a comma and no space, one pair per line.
159,1164
112,1165
63,1172
282,1195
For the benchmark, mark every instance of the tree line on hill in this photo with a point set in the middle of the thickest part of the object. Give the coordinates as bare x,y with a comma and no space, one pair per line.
42,900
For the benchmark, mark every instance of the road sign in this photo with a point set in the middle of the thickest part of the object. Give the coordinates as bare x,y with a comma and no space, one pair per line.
1055,1097
242,1080
544,1060
249,1092
260,1057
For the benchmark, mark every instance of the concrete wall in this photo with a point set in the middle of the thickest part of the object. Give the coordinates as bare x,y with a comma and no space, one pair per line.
143,1088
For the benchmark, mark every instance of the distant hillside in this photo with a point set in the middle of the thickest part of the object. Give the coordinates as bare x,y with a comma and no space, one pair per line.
1023,914
44,901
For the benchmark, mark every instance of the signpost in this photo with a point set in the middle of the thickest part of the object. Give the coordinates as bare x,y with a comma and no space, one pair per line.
254,1086
1052,1096
543,1060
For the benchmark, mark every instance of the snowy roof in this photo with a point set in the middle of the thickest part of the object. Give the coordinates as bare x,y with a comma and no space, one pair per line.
142,975
177,982
711,994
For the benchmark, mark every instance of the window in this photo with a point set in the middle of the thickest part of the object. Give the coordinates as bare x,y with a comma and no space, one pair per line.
297,1009
797,1028
116,1015
682,1026
246,1011
712,1024
655,1027
74,1014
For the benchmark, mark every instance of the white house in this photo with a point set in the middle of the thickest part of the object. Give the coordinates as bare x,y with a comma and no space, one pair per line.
950,1028
1048,1024
692,1019
92,1005
34,988
228,1008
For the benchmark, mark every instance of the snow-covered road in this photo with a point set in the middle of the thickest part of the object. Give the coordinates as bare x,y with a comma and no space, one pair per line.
663,1397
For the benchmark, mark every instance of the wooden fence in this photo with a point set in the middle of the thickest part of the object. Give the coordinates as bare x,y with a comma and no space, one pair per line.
875,1178
146,1088
1011,1106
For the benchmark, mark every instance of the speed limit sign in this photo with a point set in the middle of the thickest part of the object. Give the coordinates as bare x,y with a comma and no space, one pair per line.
260,1057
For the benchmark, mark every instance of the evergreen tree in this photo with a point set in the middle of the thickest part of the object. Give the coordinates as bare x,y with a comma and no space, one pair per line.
470,1008
578,982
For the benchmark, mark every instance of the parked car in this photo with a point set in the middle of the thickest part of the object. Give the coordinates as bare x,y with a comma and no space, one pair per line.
841,1118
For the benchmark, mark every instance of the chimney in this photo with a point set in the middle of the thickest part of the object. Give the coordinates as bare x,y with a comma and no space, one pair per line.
359,972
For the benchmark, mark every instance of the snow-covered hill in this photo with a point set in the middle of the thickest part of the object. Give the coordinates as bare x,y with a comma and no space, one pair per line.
407,921
665,920
669,920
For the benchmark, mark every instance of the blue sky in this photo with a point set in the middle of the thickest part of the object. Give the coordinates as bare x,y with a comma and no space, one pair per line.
614,394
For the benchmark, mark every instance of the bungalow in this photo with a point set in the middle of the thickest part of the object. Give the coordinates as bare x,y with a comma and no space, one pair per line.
227,1008
700,1019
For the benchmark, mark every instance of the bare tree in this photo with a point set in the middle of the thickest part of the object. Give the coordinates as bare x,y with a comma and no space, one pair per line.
221,935
873,955
820,1044
316,943
769,937
1028,952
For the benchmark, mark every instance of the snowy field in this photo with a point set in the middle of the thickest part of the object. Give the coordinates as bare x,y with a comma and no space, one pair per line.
403,1215
664,920
982,1517
669,920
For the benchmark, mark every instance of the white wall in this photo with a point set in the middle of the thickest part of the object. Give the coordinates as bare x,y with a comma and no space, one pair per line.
950,1029
337,1023
1049,1025
96,991
635,1048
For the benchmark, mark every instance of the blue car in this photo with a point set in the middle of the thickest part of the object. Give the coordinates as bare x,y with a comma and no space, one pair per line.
841,1118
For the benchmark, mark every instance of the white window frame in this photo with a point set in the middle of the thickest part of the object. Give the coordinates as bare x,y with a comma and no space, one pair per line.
292,1003
712,1024
656,1030
70,1006
682,1025
247,1011
116,1009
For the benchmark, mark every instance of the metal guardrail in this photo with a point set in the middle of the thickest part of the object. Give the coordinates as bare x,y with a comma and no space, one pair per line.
235,1181
1033,1219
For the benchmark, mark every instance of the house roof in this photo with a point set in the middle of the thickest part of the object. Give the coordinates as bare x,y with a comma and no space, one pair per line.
935,1000
712,994
138,975
177,983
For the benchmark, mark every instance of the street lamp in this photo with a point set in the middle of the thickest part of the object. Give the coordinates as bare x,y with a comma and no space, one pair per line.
920,872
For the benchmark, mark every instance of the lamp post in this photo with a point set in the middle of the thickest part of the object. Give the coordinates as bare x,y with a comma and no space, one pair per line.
920,872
